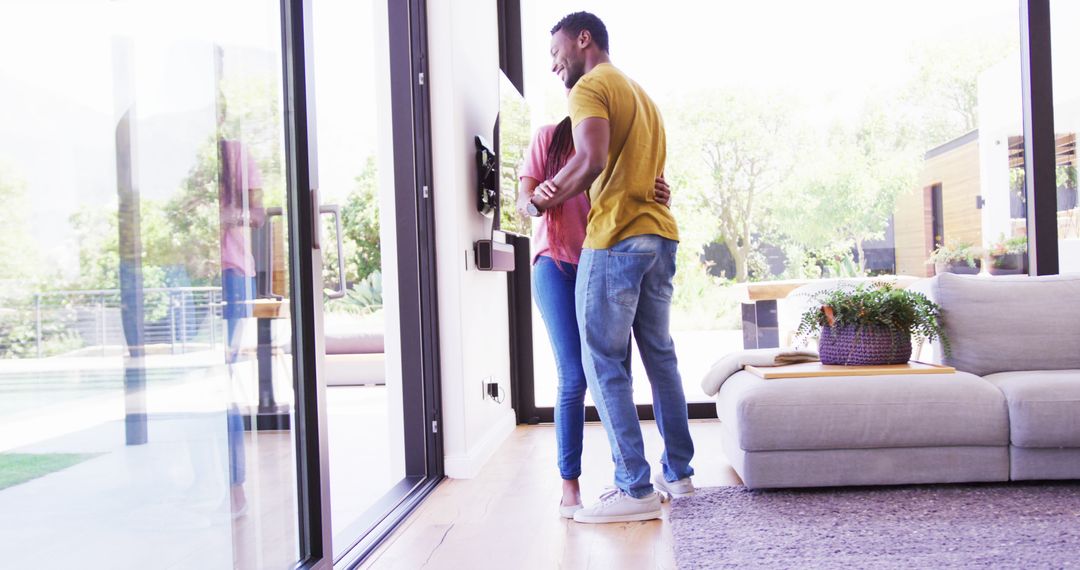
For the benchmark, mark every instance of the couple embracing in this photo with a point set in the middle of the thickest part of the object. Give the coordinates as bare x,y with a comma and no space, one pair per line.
604,264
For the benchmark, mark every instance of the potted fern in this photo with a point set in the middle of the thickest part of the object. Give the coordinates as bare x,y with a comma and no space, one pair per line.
871,324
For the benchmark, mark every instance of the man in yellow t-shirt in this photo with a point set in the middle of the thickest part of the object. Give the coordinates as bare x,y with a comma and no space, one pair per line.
624,277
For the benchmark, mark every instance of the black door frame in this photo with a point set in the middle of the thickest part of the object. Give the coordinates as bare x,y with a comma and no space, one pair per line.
1040,160
417,286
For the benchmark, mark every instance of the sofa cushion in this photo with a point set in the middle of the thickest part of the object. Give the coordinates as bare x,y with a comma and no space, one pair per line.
860,412
1010,323
1044,406
354,342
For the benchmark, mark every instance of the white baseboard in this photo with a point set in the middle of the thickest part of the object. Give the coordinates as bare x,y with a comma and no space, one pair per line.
468,465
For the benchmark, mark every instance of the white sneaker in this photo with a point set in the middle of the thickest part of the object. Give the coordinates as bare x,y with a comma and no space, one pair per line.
680,488
616,506
567,511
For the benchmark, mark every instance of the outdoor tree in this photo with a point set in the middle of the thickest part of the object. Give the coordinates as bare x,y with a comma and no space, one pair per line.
943,97
191,218
736,150
360,226
18,261
846,192
514,137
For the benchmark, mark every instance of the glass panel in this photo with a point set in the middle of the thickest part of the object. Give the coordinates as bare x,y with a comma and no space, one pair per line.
362,366
846,140
1066,46
145,368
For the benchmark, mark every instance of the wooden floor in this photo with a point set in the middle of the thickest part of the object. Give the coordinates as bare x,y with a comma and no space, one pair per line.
507,517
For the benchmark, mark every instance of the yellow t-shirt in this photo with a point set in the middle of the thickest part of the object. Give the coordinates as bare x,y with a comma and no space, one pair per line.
622,196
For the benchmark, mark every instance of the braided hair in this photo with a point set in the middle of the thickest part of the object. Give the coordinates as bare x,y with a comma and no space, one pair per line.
558,153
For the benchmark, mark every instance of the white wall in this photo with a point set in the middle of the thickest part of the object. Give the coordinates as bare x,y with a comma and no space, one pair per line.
473,321
1001,115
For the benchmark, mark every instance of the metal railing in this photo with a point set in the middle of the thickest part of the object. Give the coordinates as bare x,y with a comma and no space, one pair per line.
179,317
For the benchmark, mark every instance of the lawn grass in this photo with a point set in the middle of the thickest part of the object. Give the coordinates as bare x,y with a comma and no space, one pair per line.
17,468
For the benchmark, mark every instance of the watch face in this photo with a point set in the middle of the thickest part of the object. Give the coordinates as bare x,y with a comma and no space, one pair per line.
532,210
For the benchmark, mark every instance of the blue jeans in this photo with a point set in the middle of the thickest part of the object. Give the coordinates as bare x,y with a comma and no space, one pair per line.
629,287
237,289
553,289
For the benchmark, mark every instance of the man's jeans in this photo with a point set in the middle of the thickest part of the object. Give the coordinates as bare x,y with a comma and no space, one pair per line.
619,289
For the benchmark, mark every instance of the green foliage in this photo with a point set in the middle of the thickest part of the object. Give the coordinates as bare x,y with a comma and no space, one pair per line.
192,218
942,99
956,253
360,226
875,305
735,150
1009,246
702,301
19,258
846,191
514,137
841,267
363,298
99,249
1066,176
184,230
18,329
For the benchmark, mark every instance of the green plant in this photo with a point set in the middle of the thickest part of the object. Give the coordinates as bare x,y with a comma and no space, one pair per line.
364,297
956,253
19,332
1010,246
875,305
360,226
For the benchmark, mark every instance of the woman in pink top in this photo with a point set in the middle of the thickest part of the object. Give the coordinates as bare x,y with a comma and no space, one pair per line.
240,209
558,239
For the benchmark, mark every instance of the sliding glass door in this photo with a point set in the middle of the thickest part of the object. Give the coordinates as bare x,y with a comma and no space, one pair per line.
208,359
146,376
371,318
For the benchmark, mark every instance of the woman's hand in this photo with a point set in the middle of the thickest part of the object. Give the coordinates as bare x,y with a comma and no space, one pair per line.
662,192
525,193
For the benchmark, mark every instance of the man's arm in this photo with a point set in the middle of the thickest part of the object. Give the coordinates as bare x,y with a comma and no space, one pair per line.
591,140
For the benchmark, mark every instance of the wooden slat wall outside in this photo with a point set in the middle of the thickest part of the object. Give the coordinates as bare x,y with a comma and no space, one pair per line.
911,217
958,173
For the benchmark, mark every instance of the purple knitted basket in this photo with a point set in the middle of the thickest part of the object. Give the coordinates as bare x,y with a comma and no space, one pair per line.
852,345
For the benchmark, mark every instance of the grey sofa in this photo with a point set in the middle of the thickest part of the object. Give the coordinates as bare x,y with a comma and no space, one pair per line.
1011,412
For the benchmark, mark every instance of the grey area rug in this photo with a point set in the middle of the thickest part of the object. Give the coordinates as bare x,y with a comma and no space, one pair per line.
961,526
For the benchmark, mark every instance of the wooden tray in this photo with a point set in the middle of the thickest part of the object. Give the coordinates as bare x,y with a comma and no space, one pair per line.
817,369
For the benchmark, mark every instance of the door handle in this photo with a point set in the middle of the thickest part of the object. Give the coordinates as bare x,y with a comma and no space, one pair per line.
336,211
316,229
268,254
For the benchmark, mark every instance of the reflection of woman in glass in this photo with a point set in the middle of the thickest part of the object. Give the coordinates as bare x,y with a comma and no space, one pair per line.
240,208
557,244
240,194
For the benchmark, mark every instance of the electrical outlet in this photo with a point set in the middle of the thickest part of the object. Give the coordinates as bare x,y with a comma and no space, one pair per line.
489,388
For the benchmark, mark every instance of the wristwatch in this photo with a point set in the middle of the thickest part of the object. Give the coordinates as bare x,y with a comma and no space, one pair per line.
532,210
